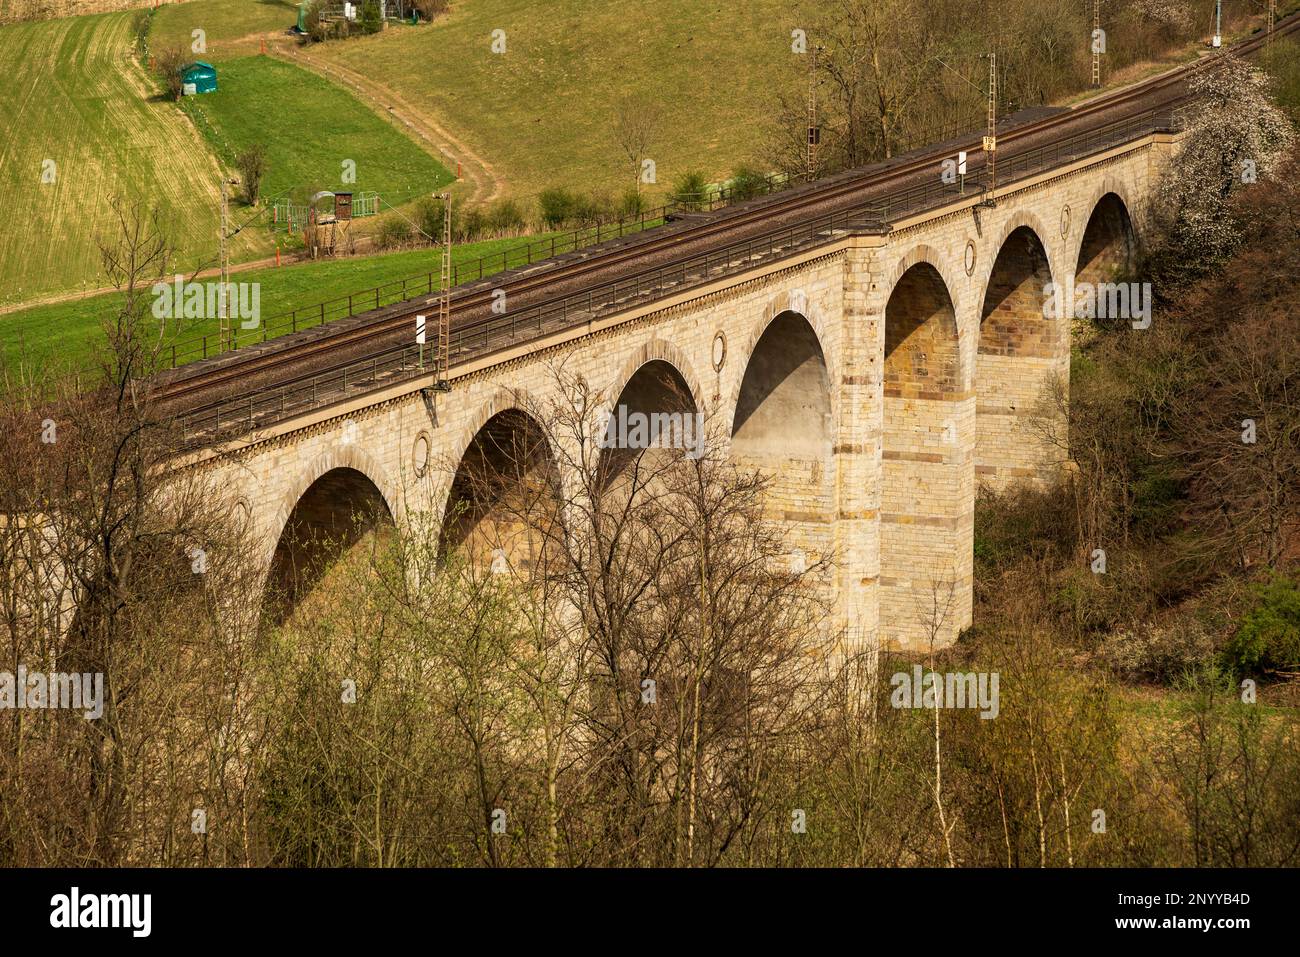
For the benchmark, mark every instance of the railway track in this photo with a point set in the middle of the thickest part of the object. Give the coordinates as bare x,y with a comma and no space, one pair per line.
381,339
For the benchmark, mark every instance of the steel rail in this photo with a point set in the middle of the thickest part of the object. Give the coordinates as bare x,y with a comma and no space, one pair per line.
403,362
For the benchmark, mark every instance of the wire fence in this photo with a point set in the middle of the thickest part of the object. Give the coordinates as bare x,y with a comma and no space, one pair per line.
286,214
400,290
291,216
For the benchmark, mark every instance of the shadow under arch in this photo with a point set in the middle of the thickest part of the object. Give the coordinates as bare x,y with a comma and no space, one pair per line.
783,409
1023,346
1108,248
503,495
656,404
332,515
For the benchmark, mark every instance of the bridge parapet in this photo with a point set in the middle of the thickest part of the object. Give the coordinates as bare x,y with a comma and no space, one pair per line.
877,374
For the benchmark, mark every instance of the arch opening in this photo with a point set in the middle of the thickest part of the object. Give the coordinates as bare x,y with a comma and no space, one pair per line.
926,482
1013,320
783,429
330,519
1108,248
921,355
1023,346
504,495
784,407
654,414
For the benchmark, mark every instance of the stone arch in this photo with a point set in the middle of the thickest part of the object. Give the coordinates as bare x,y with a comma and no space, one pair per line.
787,300
955,284
657,395
923,253
783,426
1023,346
1021,218
784,392
1105,238
927,474
922,348
501,400
336,456
783,301
342,495
660,350
504,488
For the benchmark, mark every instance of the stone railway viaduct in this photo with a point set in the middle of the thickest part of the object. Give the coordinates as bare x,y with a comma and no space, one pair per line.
878,378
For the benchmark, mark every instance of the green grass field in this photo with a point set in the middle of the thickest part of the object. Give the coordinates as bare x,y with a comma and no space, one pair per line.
310,129
230,27
1283,62
540,113
70,334
78,110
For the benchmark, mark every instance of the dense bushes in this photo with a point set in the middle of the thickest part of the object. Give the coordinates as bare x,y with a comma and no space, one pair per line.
691,190
318,29
557,206
369,20
557,209
395,232
562,207
1185,437
746,183
1269,636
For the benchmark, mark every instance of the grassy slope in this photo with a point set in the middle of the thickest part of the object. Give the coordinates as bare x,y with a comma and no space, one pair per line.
228,25
540,113
70,92
1283,62
309,127
70,332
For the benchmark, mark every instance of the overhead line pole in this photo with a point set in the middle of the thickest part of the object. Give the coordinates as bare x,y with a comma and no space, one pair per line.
226,335
991,139
442,381
1096,44
814,132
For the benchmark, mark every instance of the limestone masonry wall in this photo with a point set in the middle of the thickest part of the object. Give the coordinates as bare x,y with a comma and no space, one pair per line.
932,350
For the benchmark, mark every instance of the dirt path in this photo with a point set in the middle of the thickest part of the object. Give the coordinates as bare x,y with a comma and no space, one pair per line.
482,182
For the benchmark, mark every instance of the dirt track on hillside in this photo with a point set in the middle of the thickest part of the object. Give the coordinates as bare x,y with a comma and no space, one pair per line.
481,182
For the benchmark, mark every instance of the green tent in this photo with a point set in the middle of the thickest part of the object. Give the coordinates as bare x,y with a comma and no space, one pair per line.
202,77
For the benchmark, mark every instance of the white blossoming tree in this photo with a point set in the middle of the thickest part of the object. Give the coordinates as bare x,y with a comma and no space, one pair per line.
1235,136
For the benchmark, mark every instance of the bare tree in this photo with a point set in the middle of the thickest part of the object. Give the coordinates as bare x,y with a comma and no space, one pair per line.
168,62
934,618
118,565
638,124
252,168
